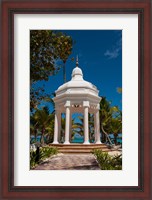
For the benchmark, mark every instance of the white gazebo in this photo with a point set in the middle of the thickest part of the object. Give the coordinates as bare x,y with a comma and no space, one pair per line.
76,96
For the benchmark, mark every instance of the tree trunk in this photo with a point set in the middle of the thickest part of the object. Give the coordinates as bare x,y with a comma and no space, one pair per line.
35,133
64,72
37,159
106,134
103,139
42,137
115,139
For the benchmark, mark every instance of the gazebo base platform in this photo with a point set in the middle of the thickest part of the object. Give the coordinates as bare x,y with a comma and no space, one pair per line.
80,148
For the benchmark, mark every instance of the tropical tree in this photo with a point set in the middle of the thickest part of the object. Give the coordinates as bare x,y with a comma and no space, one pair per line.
116,128
44,120
91,127
79,128
110,120
64,50
33,127
62,129
72,131
116,123
105,118
50,129
37,96
119,90
46,48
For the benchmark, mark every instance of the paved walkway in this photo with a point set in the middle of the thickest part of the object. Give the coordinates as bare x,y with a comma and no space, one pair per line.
70,162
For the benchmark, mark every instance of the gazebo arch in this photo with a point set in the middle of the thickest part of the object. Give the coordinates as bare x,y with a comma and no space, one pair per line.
77,96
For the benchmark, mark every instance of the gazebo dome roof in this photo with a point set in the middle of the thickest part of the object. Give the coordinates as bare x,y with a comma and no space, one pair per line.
77,86
77,71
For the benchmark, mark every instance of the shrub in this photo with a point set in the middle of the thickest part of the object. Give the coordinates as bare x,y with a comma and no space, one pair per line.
108,162
33,156
45,152
40,154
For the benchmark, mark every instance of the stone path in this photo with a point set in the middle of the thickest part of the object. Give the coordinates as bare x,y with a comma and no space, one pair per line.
70,162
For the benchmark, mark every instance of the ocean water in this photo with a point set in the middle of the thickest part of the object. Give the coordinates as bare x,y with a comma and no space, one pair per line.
119,140
75,140
81,140
38,139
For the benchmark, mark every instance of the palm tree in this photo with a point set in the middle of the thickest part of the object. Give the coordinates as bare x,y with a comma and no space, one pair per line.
116,123
91,127
62,129
50,129
44,119
105,118
110,120
78,127
33,127
73,131
116,126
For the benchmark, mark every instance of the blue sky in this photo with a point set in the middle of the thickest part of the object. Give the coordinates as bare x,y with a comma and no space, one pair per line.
100,58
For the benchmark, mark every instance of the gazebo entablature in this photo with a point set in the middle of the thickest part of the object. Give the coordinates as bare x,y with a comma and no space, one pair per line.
77,103
77,107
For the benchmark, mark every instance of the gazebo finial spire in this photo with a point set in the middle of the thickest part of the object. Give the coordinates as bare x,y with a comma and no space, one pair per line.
77,62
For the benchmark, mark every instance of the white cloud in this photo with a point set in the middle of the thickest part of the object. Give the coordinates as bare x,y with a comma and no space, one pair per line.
114,51
112,54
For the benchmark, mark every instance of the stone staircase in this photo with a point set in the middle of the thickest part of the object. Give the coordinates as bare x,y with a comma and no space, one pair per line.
79,148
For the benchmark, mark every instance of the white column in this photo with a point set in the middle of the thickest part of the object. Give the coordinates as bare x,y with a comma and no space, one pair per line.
86,126
97,128
70,129
67,122
59,127
55,141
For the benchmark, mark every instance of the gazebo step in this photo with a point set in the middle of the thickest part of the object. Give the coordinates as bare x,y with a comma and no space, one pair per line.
78,145
83,147
78,151
79,148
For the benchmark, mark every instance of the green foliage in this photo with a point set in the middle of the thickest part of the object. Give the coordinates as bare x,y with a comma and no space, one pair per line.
116,127
63,46
110,119
46,48
91,127
64,51
78,127
37,96
43,122
63,129
105,114
110,122
44,153
47,151
119,90
33,158
108,162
